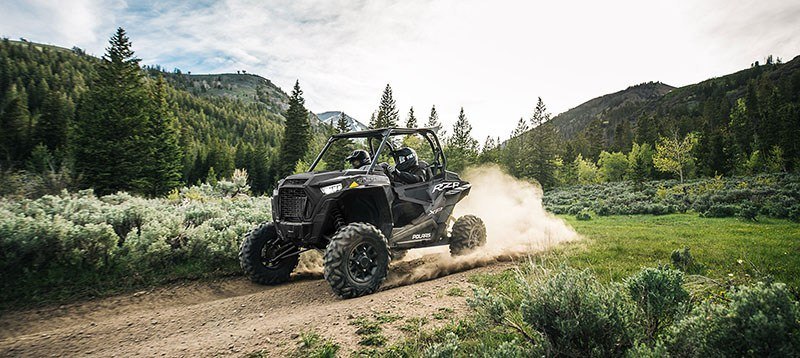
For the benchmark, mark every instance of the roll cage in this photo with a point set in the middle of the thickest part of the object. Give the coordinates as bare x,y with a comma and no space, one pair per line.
383,134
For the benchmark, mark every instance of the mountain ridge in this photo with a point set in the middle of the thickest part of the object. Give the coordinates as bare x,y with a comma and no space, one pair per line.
331,118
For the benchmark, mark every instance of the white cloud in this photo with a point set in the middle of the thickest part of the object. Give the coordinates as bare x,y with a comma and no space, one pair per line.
82,23
493,58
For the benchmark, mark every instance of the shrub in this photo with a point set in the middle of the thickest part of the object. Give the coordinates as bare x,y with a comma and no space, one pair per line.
761,320
583,215
577,315
659,296
682,259
720,211
794,213
119,240
641,350
748,211
775,194
446,349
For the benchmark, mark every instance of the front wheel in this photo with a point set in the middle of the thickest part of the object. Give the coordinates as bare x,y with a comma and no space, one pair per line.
260,253
468,234
356,260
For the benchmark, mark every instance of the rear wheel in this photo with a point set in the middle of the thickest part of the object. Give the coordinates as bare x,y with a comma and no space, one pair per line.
259,252
468,233
356,260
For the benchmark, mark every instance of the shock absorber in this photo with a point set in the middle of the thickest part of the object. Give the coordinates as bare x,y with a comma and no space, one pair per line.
338,219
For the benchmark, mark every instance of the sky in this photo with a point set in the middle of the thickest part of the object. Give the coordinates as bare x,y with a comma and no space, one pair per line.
493,58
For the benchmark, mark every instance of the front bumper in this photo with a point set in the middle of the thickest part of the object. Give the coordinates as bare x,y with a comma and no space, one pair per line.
297,232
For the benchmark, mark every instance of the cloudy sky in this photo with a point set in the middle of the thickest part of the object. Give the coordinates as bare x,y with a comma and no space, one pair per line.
494,58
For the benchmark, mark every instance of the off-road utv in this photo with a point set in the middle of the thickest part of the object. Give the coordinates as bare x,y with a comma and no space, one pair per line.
360,218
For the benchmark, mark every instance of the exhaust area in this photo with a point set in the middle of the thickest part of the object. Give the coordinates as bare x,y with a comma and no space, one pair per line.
516,225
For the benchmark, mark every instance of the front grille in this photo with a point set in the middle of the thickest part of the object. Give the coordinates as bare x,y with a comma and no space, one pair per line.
292,204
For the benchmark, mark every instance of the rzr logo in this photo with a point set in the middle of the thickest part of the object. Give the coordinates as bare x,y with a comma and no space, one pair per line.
426,235
446,185
434,211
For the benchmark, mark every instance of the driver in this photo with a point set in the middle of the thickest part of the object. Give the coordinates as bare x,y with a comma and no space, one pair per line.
407,170
359,159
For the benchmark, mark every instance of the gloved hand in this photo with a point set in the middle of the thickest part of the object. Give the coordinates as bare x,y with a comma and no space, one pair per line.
387,168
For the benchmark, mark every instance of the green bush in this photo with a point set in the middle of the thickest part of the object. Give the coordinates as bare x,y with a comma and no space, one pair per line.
446,349
683,260
720,211
759,321
583,215
748,211
659,296
578,316
774,195
77,243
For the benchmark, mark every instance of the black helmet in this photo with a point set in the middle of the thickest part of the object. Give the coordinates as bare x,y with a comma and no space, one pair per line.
359,158
405,158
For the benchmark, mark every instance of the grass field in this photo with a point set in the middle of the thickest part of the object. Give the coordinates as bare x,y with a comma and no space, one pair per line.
729,251
615,247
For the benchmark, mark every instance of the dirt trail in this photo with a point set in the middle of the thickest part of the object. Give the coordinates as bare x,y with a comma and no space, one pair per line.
228,317
234,316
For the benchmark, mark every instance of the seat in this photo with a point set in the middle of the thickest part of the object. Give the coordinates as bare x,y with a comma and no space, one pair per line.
427,169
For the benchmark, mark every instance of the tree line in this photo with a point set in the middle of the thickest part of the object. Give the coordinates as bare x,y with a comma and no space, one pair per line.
77,121
742,124
70,120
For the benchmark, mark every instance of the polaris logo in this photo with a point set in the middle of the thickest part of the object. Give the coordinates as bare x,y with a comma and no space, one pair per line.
426,235
446,185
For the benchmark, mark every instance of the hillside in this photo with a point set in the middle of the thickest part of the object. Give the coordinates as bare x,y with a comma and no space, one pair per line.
629,100
331,118
770,107
248,88
226,121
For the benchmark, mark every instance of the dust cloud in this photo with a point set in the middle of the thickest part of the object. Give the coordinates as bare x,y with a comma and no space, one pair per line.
516,225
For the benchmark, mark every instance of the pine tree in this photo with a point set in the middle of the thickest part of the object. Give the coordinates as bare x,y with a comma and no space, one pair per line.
461,149
489,152
540,149
341,148
297,133
387,111
51,129
640,162
411,122
433,119
13,121
515,149
741,131
540,114
162,164
373,123
521,128
112,120
433,122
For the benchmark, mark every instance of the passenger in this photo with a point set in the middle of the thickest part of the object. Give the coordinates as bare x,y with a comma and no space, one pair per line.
408,169
359,159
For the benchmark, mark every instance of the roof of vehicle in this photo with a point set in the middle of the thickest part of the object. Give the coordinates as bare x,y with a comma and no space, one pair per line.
380,132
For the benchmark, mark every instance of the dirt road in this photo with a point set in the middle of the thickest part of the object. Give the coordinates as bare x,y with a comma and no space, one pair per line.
233,316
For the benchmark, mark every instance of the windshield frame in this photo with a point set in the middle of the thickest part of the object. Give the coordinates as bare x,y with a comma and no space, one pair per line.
383,135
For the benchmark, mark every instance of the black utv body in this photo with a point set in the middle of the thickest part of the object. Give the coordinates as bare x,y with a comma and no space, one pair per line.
360,218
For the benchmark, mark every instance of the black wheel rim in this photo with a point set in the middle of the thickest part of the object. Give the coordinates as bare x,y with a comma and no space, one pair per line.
363,262
273,250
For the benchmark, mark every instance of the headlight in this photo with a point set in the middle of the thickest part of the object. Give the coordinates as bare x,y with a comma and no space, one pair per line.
330,189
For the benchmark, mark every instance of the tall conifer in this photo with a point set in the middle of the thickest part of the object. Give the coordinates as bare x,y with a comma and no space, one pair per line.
296,135
411,122
112,121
